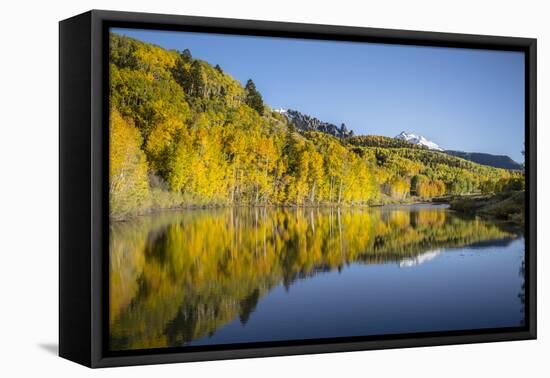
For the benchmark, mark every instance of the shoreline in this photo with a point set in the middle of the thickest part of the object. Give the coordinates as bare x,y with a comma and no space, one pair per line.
507,207
152,211
500,207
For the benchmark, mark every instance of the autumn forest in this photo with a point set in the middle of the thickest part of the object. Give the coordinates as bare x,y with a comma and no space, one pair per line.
184,133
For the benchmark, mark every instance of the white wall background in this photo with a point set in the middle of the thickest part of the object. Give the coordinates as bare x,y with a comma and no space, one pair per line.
28,188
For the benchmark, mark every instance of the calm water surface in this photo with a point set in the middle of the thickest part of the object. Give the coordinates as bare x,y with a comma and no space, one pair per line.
201,277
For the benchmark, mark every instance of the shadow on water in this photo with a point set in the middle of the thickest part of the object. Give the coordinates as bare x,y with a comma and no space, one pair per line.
179,276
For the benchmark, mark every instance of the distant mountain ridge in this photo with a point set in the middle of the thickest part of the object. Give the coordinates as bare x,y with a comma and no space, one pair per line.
304,122
497,161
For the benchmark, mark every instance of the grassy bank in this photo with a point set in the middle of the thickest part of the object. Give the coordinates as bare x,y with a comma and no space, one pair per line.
159,200
162,200
506,206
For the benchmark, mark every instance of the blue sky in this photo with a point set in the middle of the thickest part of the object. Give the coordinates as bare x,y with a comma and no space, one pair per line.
462,99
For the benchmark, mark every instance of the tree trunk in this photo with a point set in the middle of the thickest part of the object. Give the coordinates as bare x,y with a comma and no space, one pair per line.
330,193
312,196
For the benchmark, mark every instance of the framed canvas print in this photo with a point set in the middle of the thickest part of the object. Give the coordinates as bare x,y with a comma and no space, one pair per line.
233,188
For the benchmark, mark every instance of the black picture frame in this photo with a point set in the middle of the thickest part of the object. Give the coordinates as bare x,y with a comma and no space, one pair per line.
83,194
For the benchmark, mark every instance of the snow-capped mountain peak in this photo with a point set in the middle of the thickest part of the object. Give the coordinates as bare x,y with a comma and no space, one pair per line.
418,140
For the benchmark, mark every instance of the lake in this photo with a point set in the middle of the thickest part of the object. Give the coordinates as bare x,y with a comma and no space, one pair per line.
237,275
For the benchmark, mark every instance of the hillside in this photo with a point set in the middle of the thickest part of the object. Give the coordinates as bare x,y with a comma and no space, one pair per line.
185,133
413,140
380,141
497,161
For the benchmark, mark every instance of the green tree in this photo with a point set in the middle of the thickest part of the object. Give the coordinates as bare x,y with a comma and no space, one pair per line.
196,81
253,97
186,56
180,72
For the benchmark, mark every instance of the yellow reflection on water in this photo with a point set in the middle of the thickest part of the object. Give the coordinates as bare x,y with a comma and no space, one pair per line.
178,276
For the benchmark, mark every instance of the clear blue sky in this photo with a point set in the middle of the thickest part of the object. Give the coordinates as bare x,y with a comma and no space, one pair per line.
462,99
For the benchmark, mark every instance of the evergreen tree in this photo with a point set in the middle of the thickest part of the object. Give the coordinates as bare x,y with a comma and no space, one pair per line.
196,87
186,56
180,73
218,68
253,97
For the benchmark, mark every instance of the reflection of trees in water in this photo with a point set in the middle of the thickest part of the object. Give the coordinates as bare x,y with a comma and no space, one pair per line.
248,305
176,277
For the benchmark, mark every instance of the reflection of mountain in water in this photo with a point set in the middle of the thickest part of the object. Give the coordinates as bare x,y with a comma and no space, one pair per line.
420,259
176,277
